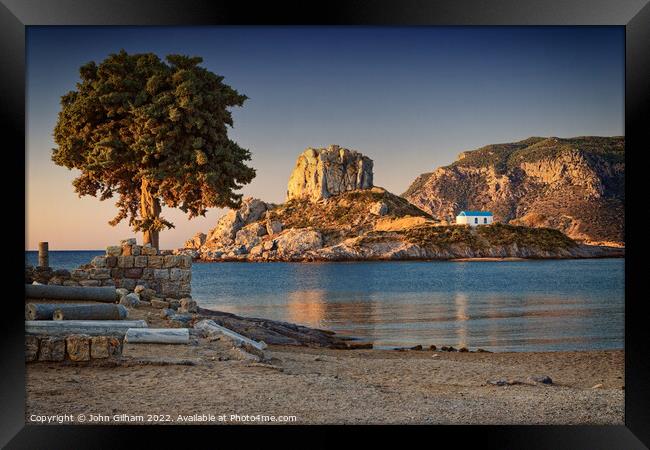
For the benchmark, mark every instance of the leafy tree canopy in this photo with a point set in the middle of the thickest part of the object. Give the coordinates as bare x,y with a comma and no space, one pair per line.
152,131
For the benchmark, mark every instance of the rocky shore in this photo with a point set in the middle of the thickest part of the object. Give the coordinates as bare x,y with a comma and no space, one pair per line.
372,224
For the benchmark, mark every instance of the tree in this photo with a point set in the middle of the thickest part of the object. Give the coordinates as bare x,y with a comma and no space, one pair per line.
152,132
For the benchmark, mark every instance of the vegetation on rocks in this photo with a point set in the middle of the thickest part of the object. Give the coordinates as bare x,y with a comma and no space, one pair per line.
345,215
541,238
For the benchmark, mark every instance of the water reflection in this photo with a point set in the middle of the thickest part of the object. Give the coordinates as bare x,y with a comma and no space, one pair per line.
497,306
307,307
461,317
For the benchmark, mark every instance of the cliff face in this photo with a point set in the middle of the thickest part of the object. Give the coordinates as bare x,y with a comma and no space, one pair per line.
573,185
321,173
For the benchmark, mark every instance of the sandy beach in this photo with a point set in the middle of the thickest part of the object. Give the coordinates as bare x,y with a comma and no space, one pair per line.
327,386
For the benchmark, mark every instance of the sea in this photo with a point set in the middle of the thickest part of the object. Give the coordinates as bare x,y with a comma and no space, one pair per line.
532,305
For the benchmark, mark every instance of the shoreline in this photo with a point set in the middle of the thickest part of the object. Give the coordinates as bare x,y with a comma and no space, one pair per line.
356,260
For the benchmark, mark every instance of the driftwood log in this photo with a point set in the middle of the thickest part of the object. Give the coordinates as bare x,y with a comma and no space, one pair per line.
273,331
157,336
67,311
91,312
77,293
90,327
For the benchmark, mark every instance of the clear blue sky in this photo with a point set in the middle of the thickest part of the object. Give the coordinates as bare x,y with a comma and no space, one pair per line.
410,98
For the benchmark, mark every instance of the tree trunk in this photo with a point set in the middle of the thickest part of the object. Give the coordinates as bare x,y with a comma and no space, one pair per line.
149,209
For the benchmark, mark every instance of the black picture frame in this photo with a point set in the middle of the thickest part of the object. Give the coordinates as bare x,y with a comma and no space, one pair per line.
634,15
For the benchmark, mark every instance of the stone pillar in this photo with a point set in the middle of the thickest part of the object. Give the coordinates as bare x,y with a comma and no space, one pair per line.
43,254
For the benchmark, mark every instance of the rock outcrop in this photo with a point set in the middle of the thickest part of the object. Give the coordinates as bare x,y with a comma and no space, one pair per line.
573,185
228,225
323,172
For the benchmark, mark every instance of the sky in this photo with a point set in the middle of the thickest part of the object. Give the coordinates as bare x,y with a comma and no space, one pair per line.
410,98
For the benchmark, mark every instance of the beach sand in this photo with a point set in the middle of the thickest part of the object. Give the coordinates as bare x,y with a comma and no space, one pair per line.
325,386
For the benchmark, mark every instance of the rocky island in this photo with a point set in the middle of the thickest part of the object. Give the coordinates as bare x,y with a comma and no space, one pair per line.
333,212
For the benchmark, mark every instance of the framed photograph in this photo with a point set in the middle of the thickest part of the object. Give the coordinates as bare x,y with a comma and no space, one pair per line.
368,213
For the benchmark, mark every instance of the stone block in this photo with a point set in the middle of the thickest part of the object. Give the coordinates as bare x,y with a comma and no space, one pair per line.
56,281
100,274
147,294
125,262
185,289
134,272
155,262
171,289
108,282
175,274
171,261
99,347
126,250
174,303
186,275
127,283
51,349
114,250
131,300
140,261
129,241
114,346
79,274
136,250
78,347
62,273
148,250
90,283
31,348
155,285
70,283
185,261
99,261
161,274
147,273
117,273
111,261
160,304
187,305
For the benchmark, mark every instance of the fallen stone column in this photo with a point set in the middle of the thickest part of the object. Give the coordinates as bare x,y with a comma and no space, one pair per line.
89,327
79,293
90,312
210,326
157,336
47,311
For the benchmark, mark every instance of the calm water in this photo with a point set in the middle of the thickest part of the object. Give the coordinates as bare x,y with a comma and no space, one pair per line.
502,306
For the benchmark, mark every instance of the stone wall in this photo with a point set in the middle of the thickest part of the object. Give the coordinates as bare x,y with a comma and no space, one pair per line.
126,266
74,347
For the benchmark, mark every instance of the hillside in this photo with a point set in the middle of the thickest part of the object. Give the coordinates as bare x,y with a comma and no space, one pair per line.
574,185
